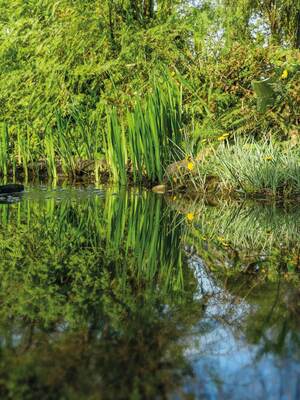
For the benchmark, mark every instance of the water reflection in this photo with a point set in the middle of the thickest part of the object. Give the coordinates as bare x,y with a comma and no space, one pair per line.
117,295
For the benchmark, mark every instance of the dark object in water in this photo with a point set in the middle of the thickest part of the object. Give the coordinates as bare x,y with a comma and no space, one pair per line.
11,188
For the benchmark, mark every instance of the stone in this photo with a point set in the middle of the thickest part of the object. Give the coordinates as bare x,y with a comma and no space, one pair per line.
11,188
161,189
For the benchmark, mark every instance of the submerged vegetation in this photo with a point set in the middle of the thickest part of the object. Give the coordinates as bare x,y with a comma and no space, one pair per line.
120,90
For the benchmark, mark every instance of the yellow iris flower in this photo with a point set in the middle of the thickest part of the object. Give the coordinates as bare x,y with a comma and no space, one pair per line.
190,166
190,216
285,74
223,137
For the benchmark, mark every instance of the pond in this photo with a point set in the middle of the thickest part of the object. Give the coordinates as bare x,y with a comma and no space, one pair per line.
111,294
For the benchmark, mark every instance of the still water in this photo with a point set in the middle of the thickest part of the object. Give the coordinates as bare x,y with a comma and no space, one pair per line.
109,294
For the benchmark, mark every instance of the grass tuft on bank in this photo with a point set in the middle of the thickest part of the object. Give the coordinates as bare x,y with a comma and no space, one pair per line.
241,168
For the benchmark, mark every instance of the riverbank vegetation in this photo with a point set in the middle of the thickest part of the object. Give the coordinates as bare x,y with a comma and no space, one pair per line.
240,168
119,91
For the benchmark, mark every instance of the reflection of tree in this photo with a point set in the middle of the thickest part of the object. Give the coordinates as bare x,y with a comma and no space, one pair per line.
274,325
271,320
97,301
253,255
116,356
94,299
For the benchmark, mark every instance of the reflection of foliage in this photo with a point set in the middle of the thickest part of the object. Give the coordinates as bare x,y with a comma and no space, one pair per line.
97,301
97,283
139,357
253,251
252,227
69,251
235,239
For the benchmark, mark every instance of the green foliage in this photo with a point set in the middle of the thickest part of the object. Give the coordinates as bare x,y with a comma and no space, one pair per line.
142,144
64,66
265,94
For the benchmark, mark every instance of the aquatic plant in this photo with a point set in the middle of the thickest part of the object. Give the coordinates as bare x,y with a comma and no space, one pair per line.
154,132
4,149
115,148
49,143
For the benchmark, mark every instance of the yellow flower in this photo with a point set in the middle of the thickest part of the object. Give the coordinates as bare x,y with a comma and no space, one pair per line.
190,216
268,158
223,137
190,166
174,198
285,74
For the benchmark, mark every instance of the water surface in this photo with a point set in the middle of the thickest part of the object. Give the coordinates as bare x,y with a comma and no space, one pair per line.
109,294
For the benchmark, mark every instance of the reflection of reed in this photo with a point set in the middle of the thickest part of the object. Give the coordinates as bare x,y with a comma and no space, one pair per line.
136,226
244,224
91,297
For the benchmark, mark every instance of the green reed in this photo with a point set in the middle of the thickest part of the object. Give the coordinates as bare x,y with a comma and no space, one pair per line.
4,150
115,147
49,143
154,132
66,144
140,142
25,155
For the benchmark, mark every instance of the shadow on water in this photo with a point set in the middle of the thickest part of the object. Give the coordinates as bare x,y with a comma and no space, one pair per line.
118,295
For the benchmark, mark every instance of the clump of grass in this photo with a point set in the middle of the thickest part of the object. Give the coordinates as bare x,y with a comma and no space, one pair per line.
258,168
246,168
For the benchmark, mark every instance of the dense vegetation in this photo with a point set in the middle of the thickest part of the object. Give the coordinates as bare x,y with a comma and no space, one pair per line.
131,86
